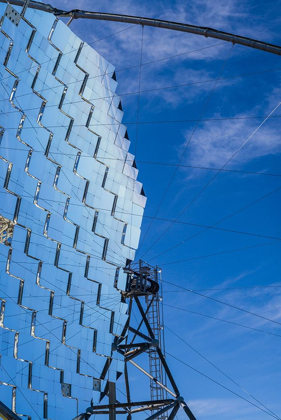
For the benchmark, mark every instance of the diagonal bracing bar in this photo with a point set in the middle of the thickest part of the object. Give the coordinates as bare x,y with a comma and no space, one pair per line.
154,379
139,334
174,412
6,413
163,410
175,405
160,407
160,354
137,331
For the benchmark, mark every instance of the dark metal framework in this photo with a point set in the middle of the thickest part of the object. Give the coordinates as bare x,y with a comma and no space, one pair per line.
157,23
7,414
6,230
161,407
140,283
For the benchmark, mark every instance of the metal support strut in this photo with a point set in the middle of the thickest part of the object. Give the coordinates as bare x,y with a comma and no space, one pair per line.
140,283
157,23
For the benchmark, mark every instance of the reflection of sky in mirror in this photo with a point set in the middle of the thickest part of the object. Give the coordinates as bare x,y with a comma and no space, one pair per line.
71,210
200,100
230,90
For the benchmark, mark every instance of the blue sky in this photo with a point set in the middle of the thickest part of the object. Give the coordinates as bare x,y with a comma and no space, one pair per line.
231,90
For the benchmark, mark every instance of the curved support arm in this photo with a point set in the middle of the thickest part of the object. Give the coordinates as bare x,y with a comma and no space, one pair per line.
157,23
175,26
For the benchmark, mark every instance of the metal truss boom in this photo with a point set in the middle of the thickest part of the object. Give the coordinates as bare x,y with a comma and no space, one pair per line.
157,23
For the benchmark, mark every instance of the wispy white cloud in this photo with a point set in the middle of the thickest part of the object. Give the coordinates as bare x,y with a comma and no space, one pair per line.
215,142
123,49
252,300
226,407
256,303
229,16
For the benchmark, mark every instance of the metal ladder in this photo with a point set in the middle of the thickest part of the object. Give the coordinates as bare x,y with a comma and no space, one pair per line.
154,317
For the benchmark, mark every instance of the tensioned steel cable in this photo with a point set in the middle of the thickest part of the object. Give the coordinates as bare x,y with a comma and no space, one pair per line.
98,256
152,89
146,162
219,370
73,50
185,147
236,324
207,168
220,221
139,91
138,113
153,163
55,347
157,23
71,349
276,238
54,211
246,327
50,331
220,253
98,124
194,313
165,220
61,168
92,255
221,289
89,213
33,409
42,147
223,386
103,74
122,69
216,289
214,177
272,415
75,353
113,303
86,208
219,229
223,303
73,192
65,295
52,284
145,21
112,306
192,258
168,263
